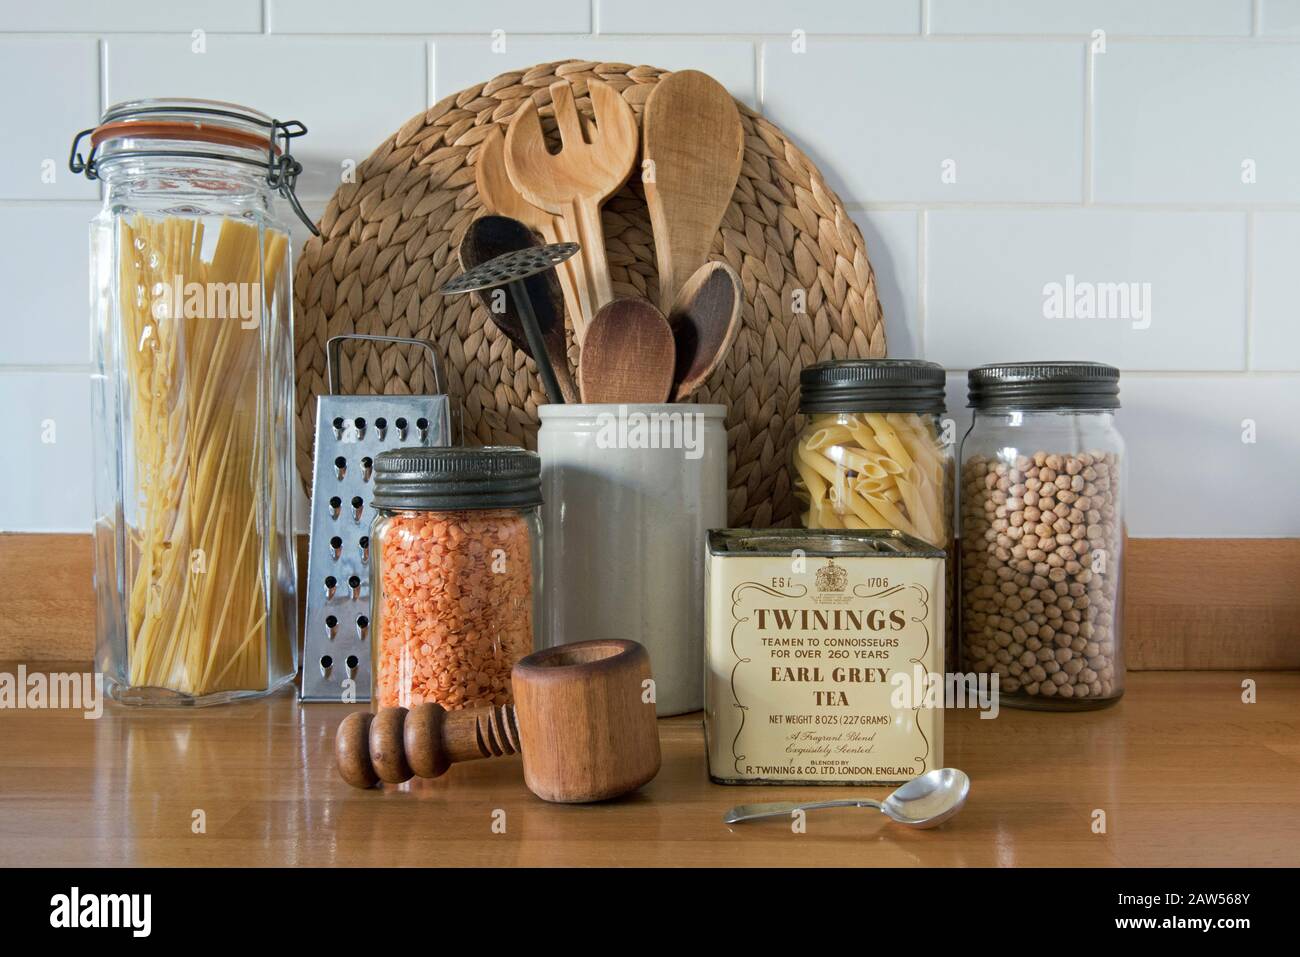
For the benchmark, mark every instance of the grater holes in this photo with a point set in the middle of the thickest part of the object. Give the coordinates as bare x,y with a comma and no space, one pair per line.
381,427
363,627
358,506
365,548
423,425
351,662
338,424
367,466
331,585
359,425
401,429
336,547
340,468
331,626
355,584
336,505
326,664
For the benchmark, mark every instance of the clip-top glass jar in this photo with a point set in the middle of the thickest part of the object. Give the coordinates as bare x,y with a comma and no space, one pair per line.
455,573
192,402
1042,533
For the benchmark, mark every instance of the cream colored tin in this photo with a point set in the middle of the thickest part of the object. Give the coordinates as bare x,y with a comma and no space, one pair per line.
814,639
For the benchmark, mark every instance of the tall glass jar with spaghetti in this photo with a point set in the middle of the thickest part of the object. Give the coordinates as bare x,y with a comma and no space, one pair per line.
455,574
1042,534
876,452
192,401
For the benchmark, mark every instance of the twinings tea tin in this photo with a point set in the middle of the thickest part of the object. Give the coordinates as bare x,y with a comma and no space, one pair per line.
810,634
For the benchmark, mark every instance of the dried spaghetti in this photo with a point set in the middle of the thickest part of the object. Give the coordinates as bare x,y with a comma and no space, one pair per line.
198,409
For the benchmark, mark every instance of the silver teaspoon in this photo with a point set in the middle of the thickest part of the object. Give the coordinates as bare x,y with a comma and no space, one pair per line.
926,801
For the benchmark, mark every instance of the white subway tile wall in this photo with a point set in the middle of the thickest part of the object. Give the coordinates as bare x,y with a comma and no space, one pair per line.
1275,335
1231,18
460,62
1202,122
430,16
759,16
1162,290
934,121
351,93
1027,187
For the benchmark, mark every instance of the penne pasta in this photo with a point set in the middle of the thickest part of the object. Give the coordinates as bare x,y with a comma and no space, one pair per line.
875,470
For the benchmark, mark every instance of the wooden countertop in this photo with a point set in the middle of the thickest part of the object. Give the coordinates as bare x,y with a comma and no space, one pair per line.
1187,774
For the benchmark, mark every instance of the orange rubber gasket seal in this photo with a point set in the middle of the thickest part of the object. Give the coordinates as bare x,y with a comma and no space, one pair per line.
175,130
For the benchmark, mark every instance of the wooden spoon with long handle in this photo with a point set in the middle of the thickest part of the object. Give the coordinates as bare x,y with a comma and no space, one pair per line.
575,182
704,320
628,355
500,196
694,145
489,237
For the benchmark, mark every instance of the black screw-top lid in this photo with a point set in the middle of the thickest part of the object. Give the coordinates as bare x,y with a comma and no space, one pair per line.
439,479
1044,386
872,385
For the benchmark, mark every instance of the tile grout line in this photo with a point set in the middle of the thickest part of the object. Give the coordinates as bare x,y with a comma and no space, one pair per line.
1250,289
701,38
266,17
430,63
41,368
102,47
922,278
1089,106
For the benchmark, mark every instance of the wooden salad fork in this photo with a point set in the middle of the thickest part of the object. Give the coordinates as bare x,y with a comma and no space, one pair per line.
574,183
500,196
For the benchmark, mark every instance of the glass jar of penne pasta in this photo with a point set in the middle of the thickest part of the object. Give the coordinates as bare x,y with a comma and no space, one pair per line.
192,401
1042,534
873,452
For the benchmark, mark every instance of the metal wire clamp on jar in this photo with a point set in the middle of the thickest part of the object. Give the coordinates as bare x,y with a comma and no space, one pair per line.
455,574
1042,534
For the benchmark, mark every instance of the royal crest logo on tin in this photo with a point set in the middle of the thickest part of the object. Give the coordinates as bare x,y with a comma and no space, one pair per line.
832,577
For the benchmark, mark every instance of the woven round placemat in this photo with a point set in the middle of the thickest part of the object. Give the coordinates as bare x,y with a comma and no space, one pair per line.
388,242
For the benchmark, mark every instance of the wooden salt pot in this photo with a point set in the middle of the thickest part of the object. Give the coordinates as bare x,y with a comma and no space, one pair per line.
580,719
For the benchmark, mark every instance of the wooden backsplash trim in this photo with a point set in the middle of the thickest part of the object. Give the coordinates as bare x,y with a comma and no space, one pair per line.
1189,604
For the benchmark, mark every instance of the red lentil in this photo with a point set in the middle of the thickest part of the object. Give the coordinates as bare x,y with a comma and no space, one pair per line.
453,606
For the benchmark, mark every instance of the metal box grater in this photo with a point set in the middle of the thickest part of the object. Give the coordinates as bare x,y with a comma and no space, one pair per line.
350,431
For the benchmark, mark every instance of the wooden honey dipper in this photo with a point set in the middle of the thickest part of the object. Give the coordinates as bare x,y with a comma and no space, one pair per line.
581,720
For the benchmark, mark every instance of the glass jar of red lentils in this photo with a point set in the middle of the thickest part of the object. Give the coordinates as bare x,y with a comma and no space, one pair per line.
455,574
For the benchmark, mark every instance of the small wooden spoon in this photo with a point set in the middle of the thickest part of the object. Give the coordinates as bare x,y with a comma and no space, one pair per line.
491,236
704,320
694,145
500,196
628,355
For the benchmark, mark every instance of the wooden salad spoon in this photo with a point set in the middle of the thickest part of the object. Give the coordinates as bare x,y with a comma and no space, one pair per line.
694,145
704,320
575,182
628,355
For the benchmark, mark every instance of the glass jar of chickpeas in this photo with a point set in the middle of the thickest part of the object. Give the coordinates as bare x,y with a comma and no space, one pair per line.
1042,534
876,452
